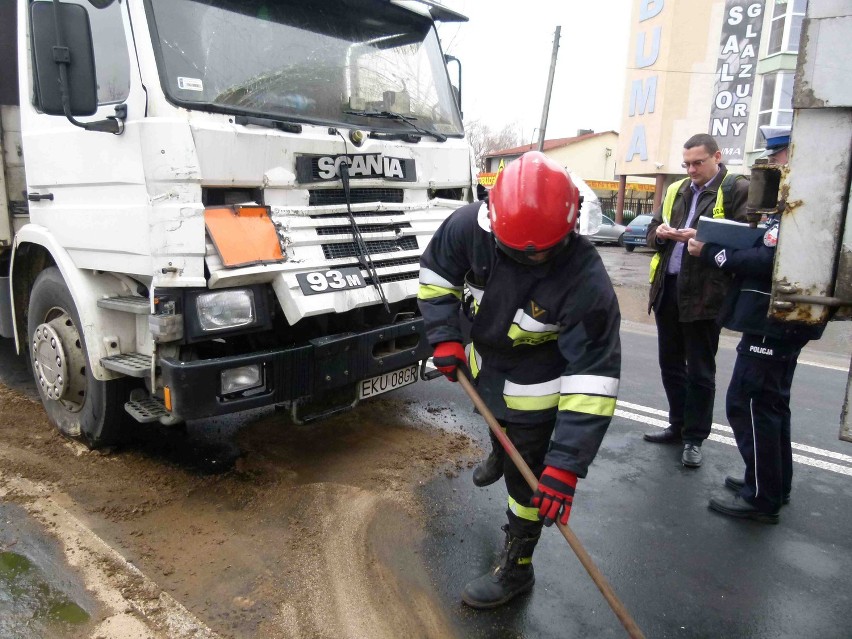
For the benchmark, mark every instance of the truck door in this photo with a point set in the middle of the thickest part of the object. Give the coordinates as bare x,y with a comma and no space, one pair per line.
87,187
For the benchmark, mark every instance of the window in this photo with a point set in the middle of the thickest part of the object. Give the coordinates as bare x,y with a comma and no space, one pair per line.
776,103
360,63
786,26
111,56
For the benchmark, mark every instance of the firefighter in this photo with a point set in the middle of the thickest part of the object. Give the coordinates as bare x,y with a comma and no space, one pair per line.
545,353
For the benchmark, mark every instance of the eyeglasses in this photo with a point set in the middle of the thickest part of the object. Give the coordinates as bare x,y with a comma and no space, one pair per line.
696,163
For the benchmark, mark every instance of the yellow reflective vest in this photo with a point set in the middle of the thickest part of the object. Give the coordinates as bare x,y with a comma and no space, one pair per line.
668,203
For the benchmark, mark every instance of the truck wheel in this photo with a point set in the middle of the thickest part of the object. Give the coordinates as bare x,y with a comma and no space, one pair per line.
80,406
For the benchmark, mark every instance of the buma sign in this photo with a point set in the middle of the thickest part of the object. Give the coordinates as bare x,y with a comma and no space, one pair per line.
321,168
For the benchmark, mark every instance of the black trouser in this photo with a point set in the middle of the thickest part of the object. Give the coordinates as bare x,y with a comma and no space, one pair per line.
687,354
758,407
532,441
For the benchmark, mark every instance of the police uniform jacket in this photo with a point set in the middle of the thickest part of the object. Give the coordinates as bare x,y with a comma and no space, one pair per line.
544,338
746,306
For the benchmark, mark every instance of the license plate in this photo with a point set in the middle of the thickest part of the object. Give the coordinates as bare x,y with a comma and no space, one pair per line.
387,382
341,279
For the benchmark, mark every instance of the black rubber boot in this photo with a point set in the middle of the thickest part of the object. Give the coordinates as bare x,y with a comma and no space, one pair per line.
511,576
490,470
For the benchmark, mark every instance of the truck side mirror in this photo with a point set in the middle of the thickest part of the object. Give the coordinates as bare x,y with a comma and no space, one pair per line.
455,88
74,51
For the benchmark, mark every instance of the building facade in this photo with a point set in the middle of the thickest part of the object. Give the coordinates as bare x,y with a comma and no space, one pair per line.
722,67
589,155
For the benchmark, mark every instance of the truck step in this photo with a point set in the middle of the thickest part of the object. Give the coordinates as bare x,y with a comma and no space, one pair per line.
130,364
146,410
127,304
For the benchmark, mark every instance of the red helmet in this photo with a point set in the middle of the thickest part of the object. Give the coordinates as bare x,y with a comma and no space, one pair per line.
533,205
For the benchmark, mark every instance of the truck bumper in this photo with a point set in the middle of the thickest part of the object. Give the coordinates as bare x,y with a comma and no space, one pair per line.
312,370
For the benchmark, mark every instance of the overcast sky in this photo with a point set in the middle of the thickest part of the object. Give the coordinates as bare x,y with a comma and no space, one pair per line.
505,51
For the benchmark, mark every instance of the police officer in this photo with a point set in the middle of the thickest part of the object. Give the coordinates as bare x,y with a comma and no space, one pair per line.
758,400
545,353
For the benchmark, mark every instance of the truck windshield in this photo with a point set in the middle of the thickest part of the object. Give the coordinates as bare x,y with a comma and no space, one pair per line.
331,62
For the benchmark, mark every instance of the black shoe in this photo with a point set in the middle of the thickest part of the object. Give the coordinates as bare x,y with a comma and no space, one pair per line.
490,470
736,506
513,575
735,484
670,435
692,456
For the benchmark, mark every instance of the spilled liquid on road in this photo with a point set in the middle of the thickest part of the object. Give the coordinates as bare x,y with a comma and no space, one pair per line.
30,607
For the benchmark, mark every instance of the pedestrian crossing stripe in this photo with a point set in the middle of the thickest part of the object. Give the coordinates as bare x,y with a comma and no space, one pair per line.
722,439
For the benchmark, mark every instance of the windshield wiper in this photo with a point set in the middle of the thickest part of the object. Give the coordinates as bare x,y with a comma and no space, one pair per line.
271,123
414,138
363,253
409,120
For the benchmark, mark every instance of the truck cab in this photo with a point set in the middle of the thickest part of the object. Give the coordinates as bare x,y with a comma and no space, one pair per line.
216,205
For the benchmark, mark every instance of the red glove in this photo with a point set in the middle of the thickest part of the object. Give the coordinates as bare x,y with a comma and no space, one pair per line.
555,494
448,356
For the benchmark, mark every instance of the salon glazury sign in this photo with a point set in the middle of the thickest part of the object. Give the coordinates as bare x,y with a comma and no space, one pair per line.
735,77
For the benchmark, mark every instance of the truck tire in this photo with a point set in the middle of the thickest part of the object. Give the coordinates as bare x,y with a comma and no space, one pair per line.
80,406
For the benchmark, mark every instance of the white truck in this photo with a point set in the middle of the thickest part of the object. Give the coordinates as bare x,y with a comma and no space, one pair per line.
812,280
208,206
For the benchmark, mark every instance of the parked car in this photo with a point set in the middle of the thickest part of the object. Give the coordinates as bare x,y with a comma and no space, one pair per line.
634,234
608,232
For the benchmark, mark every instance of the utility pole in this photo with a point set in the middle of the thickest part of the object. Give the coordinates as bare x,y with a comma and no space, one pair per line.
543,126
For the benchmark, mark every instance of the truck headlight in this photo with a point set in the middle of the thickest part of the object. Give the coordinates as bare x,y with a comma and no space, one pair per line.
241,379
225,309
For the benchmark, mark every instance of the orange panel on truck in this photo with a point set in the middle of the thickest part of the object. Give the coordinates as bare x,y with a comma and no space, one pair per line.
243,235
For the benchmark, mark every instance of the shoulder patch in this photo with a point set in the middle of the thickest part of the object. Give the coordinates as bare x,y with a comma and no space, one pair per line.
537,311
770,238
721,258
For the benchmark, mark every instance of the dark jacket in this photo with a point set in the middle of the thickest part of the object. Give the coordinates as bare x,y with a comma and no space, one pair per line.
746,306
700,288
545,339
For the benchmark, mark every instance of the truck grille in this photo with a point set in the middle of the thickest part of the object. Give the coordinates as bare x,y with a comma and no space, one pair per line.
404,261
325,197
365,228
349,249
396,277
393,277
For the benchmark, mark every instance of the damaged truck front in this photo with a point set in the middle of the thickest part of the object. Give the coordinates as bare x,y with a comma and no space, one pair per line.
215,205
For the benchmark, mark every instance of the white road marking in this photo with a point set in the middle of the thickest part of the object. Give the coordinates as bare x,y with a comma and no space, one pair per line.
663,423
806,362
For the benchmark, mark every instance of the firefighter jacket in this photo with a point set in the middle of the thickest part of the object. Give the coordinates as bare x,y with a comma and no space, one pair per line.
746,307
544,339
700,288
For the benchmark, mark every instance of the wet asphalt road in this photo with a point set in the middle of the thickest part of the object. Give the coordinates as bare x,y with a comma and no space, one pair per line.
680,569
